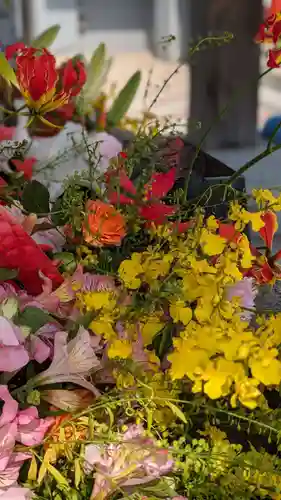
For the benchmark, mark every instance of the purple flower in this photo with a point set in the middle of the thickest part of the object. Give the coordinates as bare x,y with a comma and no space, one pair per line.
246,292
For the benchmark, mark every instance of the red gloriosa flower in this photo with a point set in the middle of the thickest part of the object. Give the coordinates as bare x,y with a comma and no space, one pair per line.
38,80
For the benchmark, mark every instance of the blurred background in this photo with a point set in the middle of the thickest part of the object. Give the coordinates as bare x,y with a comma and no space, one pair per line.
153,35
158,37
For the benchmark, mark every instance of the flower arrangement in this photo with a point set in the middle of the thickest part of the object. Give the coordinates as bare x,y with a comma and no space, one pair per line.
134,362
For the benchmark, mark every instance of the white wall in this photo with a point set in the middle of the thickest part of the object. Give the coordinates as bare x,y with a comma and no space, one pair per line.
45,13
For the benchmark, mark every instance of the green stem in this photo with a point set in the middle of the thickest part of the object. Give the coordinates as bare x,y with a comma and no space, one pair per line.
253,161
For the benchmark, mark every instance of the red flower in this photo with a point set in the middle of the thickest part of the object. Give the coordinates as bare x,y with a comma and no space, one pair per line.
274,58
19,251
25,166
265,268
7,133
66,112
270,31
13,49
73,77
37,77
150,207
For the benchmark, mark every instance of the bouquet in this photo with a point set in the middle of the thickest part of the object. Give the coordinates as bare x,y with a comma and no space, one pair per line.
134,361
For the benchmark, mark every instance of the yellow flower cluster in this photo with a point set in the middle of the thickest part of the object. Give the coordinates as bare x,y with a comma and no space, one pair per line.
182,283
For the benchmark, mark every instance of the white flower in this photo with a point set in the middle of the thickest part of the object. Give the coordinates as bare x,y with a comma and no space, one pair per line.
72,361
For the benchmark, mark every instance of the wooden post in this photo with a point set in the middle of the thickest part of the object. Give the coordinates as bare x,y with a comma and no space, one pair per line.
219,73
27,19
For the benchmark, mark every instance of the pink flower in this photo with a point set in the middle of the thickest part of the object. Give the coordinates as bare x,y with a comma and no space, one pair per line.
13,354
246,292
38,350
10,474
30,428
16,493
136,460
23,426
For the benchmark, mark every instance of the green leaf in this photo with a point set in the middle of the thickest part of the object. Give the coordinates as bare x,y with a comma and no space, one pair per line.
36,198
97,72
96,64
47,38
124,100
6,71
67,261
59,478
159,489
8,274
57,214
177,412
34,318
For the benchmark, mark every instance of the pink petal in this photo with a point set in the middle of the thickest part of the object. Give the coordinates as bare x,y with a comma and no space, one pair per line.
13,358
33,433
16,493
9,476
28,415
7,442
9,333
160,184
38,349
10,408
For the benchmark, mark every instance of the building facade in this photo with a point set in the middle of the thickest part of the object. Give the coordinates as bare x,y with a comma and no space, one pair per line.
124,25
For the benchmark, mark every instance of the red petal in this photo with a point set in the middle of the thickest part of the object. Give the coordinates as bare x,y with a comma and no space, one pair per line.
25,166
36,73
269,229
157,212
7,133
19,251
116,198
274,58
160,184
276,31
277,256
73,77
181,227
122,180
228,232
11,50
262,275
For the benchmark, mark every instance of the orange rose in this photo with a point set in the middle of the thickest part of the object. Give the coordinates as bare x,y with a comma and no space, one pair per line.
103,225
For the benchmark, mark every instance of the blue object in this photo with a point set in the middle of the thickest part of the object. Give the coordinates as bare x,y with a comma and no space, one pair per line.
269,128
